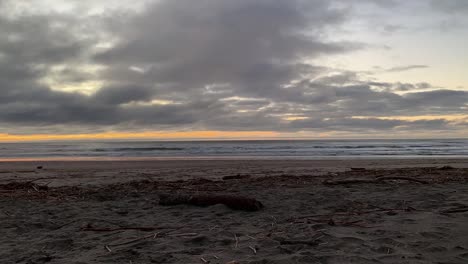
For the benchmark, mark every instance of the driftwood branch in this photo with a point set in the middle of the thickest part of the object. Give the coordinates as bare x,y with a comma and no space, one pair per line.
388,178
348,181
106,229
326,217
455,210
372,181
134,240
233,202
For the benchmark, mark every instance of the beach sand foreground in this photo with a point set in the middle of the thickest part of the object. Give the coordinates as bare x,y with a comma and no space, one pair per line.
381,211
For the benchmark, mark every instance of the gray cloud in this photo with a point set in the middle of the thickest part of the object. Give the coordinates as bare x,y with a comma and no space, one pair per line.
216,64
122,94
453,6
369,124
223,41
392,28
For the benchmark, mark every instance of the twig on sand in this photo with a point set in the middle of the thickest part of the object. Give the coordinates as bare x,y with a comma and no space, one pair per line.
183,234
253,249
108,248
133,240
212,228
237,240
204,260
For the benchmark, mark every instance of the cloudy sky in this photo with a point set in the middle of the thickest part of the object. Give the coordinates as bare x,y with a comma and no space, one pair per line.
233,69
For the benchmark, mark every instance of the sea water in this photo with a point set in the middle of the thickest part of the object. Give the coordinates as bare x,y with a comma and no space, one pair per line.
266,149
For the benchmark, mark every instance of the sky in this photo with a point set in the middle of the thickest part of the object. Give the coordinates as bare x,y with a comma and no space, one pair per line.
227,69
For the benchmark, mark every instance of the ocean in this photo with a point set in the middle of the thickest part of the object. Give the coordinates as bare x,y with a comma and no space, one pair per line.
252,149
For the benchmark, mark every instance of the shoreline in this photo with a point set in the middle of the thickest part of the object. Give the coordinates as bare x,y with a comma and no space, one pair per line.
102,172
232,158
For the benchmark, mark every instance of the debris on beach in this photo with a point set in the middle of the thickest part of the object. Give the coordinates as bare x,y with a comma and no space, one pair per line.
233,202
23,186
358,169
377,180
236,177
446,168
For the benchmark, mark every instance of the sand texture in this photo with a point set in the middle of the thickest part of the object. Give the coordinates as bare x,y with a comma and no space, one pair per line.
401,211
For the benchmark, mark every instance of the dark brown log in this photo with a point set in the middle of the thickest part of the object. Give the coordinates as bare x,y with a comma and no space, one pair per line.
233,202
446,168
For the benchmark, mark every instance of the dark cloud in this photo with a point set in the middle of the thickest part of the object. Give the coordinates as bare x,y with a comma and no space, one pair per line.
213,64
383,3
116,95
369,124
452,6
401,87
223,41
392,28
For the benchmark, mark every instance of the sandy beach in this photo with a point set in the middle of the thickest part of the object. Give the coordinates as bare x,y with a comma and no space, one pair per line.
314,211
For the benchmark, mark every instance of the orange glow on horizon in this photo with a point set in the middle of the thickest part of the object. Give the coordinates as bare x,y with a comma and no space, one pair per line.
227,135
143,135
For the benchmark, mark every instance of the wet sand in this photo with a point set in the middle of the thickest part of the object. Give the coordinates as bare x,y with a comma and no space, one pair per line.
109,212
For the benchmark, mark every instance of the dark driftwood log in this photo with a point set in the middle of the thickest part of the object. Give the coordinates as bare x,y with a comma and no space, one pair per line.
446,168
233,202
